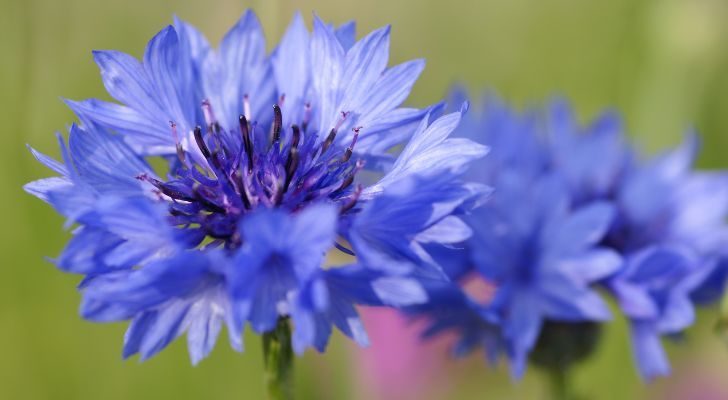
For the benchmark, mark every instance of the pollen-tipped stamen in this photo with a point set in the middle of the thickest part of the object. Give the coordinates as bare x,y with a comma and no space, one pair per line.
332,134
350,150
350,179
329,140
178,145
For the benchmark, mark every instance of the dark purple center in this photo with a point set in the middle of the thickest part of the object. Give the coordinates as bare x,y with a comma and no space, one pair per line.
234,173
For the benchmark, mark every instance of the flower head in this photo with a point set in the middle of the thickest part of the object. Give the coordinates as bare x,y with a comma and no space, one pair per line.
541,254
576,208
262,187
670,228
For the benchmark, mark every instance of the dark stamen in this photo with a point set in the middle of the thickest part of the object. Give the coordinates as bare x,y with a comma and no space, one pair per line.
209,196
348,181
329,140
344,249
296,136
201,142
247,144
169,189
174,193
291,166
332,135
277,123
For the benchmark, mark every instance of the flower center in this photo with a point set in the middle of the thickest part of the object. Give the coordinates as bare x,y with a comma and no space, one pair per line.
228,174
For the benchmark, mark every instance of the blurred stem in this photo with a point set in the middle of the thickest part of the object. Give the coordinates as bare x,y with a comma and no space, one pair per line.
278,358
559,384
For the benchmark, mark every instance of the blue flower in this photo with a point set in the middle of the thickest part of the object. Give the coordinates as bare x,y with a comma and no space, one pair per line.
262,187
592,158
653,291
165,298
513,138
575,208
542,255
670,228
317,82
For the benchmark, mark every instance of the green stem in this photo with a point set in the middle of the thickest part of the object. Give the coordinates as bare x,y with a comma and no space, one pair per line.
559,384
278,358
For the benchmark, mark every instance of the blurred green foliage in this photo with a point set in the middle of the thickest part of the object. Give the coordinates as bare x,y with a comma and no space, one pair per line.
664,64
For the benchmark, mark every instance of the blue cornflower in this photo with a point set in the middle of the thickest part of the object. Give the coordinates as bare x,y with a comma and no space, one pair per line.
542,254
593,159
263,155
575,208
670,229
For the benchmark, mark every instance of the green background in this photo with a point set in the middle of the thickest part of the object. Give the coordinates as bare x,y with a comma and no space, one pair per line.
664,64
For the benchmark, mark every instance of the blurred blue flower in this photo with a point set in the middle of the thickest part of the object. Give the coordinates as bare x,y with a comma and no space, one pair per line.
262,187
672,231
593,158
671,226
542,255
575,207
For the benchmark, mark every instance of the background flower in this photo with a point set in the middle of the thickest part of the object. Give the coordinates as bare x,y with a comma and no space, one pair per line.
579,208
